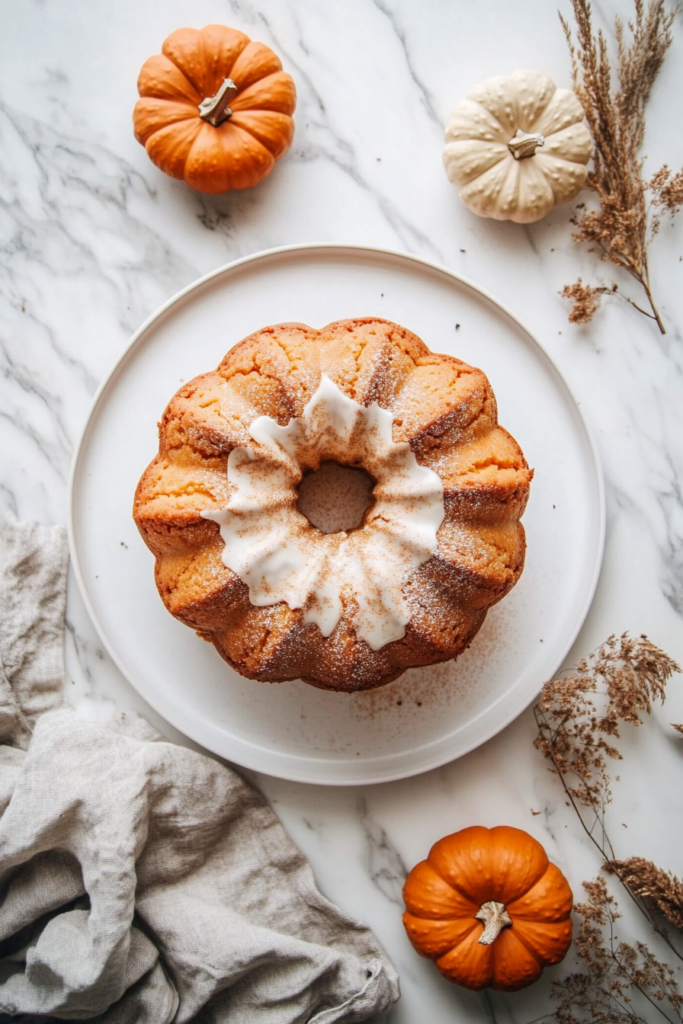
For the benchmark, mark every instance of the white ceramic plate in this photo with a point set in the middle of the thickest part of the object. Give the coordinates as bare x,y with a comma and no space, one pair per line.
291,730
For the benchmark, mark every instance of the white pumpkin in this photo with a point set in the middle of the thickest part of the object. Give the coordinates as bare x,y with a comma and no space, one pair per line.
517,146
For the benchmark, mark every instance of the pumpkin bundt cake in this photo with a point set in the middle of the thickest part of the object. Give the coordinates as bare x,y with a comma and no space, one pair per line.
239,562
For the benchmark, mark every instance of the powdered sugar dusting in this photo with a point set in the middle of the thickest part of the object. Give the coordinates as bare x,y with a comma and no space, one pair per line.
422,696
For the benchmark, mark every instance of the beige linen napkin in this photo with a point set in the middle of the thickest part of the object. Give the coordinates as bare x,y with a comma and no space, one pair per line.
140,882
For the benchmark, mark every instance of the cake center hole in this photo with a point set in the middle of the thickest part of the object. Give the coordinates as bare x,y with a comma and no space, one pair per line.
336,497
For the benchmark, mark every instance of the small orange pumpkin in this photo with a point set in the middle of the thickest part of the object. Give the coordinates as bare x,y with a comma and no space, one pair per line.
489,908
215,108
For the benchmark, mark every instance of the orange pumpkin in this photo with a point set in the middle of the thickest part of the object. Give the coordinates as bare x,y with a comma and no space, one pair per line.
489,908
215,108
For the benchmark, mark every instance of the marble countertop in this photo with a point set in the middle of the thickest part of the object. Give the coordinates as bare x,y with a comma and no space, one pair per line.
95,238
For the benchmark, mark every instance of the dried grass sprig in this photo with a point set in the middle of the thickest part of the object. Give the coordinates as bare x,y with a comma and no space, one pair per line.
615,972
659,888
579,716
576,726
624,222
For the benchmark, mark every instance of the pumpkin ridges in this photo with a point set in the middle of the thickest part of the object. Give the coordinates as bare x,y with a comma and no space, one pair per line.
533,94
564,177
509,186
255,160
548,942
469,963
436,938
503,97
181,48
521,112
169,147
563,111
429,896
160,78
462,860
480,155
516,100
483,192
195,54
205,147
205,53
272,129
514,965
572,143
550,899
471,120
224,158
534,192
254,62
507,871
498,193
222,48
206,162
498,114
150,115
275,92
518,861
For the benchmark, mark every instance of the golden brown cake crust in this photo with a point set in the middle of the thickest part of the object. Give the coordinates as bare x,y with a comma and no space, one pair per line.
444,408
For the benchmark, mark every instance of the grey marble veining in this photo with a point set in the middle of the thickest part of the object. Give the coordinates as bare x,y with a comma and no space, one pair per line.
93,239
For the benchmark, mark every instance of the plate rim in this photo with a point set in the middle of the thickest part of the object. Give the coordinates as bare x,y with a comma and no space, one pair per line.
158,314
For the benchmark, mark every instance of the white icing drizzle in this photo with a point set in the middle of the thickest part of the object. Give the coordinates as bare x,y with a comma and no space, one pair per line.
281,557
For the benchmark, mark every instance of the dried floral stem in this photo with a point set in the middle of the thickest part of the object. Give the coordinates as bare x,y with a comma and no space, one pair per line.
572,735
578,718
650,883
612,969
624,224
605,848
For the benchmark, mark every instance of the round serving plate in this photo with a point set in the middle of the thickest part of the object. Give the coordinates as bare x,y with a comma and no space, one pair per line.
431,715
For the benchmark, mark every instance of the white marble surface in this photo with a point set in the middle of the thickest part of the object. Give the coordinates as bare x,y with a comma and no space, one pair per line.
94,238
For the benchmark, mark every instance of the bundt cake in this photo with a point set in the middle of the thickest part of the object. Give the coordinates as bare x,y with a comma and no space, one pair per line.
238,561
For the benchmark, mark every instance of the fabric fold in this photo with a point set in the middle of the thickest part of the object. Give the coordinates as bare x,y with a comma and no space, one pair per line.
33,563
141,881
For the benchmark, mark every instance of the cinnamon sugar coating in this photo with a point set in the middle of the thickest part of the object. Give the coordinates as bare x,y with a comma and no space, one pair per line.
444,408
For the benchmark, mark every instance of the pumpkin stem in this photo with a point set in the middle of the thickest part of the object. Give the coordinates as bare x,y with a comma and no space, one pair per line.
494,917
522,144
215,109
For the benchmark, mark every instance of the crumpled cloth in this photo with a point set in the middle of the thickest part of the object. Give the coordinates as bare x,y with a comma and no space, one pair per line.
141,882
